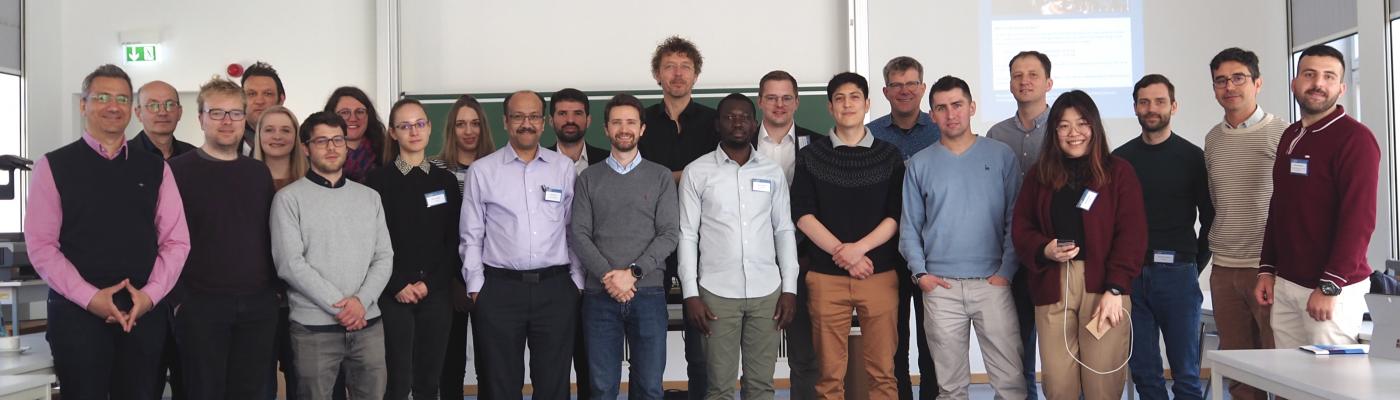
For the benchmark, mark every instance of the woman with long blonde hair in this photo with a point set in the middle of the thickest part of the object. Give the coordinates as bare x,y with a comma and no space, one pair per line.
278,146
465,137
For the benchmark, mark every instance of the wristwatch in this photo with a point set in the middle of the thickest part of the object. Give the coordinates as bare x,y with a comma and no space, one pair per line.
1115,291
1328,288
636,271
917,276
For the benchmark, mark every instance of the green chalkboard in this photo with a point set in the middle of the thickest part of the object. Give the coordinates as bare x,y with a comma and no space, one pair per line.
811,113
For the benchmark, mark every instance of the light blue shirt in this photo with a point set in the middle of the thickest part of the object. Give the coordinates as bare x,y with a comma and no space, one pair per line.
956,221
923,134
622,169
737,236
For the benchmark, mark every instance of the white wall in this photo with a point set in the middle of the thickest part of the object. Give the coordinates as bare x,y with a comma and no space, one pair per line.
316,46
453,47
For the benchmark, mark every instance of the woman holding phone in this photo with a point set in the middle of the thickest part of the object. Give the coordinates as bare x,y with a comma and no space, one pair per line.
1081,231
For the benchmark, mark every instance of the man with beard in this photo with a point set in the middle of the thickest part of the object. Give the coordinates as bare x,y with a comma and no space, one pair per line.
516,258
227,307
738,255
335,268
1166,298
569,112
1322,214
625,222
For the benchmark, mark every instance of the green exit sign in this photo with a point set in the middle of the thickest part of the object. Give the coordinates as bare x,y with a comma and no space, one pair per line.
139,52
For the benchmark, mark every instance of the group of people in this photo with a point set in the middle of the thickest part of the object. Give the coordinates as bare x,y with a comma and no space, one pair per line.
335,247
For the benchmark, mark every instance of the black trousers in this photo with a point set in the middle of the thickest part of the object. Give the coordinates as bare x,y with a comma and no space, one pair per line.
170,364
415,336
928,384
98,361
226,344
454,364
581,370
511,312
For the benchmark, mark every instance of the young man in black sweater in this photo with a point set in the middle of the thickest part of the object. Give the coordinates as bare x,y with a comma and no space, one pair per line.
421,208
1166,297
226,303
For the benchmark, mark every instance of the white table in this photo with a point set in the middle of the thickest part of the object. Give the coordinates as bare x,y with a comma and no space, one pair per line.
1297,375
26,387
38,360
16,293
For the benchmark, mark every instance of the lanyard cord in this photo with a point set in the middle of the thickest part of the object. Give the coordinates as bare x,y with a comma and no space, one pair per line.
1064,297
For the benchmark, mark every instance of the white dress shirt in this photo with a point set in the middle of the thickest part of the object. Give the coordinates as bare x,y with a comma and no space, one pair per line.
784,152
737,235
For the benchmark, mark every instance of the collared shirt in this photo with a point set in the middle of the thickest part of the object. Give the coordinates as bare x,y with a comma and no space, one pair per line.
784,152
1254,119
673,143
316,178
43,220
622,169
923,133
582,162
405,168
1025,143
249,142
143,141
865,141
515,215
739,218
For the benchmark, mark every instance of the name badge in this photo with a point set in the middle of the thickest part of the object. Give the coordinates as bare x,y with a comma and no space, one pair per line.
761,185
1298,166
803,141
436,198
1087,200
1163,256
552,195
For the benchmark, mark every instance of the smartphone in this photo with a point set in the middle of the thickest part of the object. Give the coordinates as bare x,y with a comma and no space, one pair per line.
1063,243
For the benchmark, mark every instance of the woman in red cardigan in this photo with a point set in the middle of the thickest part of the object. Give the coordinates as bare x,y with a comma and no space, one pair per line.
1081,231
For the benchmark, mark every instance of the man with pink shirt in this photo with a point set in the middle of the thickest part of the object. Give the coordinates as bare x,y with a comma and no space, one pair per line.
106,230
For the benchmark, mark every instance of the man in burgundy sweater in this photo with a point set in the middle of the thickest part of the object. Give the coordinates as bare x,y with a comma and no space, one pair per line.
1322,213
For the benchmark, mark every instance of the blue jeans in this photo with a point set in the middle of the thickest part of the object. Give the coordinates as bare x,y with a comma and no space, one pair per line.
643,322
1167,304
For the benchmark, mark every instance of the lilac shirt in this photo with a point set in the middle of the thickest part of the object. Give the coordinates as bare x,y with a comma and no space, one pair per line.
44,218
506,220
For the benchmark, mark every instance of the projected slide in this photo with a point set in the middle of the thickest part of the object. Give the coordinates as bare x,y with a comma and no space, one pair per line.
1094,46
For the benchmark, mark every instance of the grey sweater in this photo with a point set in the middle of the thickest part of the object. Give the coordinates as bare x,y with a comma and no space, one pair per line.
329,244
620,219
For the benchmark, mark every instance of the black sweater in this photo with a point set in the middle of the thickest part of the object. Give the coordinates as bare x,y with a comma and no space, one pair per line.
227,204
1176,193
850,190
424,237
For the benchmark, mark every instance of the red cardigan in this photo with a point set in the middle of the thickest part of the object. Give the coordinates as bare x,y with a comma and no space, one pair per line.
1115,233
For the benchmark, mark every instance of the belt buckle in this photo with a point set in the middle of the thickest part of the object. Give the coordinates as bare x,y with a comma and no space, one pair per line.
530,277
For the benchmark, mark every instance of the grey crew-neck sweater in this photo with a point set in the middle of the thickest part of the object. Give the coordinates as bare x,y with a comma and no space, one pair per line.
621,219
329,244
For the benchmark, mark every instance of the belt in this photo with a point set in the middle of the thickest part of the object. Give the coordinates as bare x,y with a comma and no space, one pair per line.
527,276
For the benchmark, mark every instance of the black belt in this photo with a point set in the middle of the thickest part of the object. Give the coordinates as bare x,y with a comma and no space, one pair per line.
527,276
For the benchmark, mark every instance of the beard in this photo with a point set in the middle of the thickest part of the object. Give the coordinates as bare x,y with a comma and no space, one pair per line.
1162,122
1316,107
565,135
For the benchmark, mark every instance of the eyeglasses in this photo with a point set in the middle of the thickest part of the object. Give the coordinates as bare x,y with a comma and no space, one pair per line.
169,105
518,118
785,99
912,85
327,142
218,115
345,113
105,98
420,124
1236,80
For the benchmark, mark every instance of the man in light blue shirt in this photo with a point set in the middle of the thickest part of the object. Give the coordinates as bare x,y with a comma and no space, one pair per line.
956,235
738,255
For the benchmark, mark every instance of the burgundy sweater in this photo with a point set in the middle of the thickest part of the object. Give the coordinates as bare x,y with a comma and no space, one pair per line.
1321,219
1115,235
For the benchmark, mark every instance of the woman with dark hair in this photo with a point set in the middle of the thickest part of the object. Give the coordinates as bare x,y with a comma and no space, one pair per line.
1081,231
421,211
364,130
466,137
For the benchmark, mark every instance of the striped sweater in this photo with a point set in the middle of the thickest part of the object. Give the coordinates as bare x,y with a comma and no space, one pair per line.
1239,164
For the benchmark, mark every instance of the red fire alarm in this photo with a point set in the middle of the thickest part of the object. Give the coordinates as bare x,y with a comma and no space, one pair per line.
235,70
